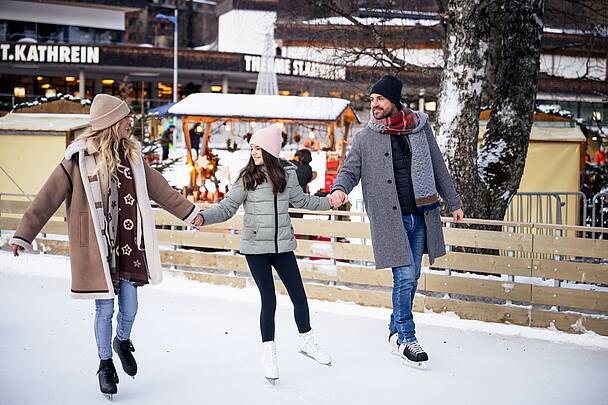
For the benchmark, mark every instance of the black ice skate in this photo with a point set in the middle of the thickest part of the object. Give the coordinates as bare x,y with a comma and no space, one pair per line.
123,349
412,354
108,379
392,342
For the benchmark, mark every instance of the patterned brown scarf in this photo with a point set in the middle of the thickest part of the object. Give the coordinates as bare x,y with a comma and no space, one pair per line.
127,242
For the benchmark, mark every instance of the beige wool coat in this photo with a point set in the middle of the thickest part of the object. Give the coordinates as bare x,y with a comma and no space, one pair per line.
76,182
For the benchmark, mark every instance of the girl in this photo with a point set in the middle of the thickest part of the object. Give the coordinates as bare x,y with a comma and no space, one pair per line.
113,247
265,187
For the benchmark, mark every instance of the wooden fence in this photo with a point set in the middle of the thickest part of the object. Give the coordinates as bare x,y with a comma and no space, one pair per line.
527,274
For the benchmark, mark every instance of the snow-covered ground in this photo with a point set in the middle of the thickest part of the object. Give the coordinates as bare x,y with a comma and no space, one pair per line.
199,344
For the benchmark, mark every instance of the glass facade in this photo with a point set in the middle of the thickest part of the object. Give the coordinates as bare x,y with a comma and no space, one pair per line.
13,31
41,86
588,111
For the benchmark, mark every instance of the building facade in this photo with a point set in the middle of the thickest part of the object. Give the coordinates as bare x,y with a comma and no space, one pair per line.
121,47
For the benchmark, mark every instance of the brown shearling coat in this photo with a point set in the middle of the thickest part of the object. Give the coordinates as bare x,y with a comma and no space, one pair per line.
90,270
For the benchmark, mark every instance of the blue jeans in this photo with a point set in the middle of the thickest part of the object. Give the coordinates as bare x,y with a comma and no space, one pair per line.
104,311
405,280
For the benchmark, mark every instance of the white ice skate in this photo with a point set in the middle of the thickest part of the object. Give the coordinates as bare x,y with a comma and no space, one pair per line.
413,355
310,348
269,362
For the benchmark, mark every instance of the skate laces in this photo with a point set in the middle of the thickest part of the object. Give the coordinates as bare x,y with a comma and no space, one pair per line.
310,345
126,347
109,374
271,354
414,347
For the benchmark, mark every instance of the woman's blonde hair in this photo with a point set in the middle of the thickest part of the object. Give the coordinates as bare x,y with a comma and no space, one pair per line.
107,142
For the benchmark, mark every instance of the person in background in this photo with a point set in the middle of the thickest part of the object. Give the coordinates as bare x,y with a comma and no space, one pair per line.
166,141
600,155
195,138
302,158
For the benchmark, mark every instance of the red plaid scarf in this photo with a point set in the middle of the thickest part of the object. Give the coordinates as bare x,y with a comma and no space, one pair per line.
402,123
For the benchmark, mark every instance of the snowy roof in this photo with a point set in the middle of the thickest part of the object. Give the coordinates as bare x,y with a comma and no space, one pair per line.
252,106
43,122
397,21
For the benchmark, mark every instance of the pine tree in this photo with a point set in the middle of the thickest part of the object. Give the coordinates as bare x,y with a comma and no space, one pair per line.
150,148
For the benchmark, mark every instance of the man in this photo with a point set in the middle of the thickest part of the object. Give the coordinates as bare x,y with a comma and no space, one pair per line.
166,141
401,169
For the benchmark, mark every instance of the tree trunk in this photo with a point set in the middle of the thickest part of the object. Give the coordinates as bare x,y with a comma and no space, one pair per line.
503,152
487,180
465,52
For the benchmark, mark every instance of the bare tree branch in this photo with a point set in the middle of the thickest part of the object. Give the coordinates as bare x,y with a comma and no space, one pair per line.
387,54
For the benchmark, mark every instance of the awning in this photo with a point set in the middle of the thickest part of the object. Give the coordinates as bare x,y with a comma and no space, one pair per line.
161,110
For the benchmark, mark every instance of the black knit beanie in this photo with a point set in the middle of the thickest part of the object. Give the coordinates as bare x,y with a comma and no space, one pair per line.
390,87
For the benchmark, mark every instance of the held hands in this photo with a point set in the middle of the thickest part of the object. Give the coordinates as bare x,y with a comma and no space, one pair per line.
198,222
337,198
458,215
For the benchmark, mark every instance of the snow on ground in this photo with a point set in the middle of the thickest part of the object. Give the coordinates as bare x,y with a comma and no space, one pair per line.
199,343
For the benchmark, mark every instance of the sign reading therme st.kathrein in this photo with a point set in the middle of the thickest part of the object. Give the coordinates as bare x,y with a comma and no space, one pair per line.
49,53
295,67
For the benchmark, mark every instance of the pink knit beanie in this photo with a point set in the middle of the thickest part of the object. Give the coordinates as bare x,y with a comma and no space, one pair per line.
269,139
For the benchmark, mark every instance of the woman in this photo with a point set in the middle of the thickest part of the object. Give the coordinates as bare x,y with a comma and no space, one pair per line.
113,246
303,157
265,187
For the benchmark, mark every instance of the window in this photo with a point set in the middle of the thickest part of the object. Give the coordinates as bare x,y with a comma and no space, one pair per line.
17,30
51,33
80,35
3,31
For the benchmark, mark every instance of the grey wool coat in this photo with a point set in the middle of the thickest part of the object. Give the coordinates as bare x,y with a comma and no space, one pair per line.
370,161
266,226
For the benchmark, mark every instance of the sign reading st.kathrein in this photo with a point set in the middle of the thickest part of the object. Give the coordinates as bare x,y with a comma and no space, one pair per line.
42,53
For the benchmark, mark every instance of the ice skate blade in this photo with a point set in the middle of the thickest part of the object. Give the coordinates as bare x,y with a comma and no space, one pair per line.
310,357
108,396
420,365
272,381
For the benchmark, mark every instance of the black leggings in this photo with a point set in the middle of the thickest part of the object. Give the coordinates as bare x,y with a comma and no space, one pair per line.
287,269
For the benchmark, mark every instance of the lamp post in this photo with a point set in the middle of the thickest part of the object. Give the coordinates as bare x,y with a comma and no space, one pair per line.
174,20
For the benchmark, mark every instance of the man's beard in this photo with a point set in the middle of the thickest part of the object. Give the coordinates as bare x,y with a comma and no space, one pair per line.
384,114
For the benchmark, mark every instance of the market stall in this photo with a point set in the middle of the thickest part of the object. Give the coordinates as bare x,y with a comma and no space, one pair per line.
293,114
31,146
553,167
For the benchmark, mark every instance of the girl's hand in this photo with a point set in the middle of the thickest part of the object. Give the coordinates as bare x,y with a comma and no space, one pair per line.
198,221
16,250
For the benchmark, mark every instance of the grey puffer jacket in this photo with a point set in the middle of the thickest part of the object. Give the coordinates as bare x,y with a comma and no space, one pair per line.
266,227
